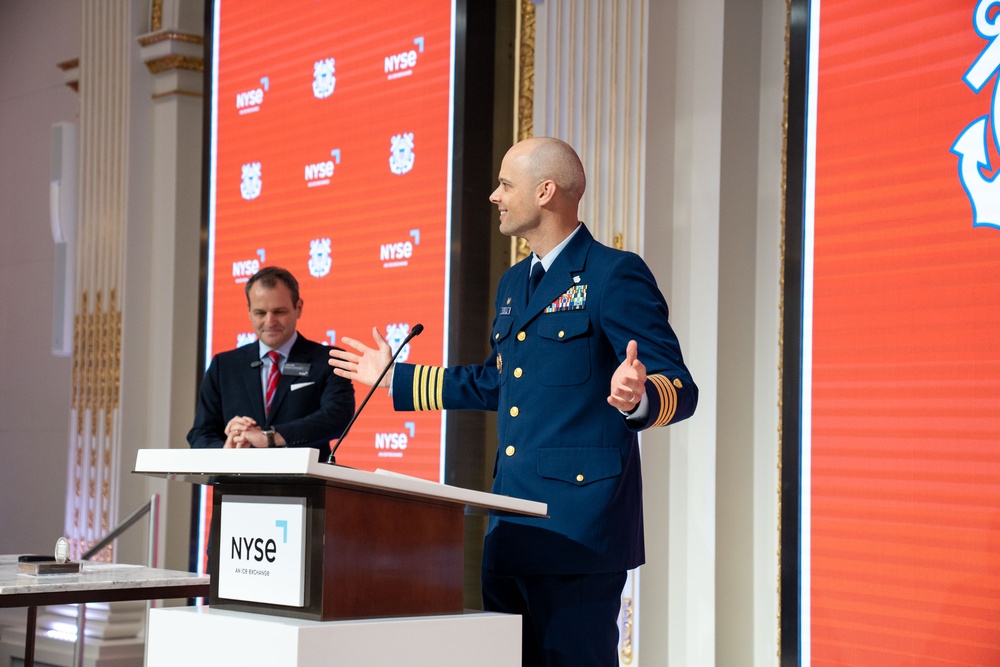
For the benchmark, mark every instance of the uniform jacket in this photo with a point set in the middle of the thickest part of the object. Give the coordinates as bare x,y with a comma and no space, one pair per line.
548,377
312,413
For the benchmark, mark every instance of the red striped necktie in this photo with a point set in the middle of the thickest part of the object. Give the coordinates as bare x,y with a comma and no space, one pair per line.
272,379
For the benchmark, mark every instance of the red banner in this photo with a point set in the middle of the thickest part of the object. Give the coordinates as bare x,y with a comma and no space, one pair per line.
905,440
332,159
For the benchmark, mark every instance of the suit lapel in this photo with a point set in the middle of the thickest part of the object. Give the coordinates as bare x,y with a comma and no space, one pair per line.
559,277
252,382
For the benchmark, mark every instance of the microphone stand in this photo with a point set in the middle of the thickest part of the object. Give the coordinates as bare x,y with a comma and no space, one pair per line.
415,331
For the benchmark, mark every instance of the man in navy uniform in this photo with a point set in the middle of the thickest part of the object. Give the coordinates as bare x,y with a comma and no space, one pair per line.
571,393
277,391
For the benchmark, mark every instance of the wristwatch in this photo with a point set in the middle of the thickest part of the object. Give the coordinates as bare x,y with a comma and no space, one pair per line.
269,432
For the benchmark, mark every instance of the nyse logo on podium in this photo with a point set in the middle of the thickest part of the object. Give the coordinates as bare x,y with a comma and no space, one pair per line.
262,550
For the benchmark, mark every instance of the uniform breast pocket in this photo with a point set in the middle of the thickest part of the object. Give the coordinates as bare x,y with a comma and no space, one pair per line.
564,348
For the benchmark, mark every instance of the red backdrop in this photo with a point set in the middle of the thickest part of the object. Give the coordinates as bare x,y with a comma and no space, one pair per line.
326,182
905,474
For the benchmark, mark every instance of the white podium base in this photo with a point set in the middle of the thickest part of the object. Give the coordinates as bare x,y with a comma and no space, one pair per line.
193,636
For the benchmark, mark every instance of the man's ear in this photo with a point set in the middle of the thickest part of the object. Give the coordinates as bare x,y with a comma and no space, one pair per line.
298,307
546,191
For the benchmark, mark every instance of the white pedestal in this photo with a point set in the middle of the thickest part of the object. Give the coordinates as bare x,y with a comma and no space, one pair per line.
193,636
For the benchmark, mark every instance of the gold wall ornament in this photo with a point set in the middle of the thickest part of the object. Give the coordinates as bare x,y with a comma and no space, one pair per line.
175,91
524,71
175,61
618,241
171,36
521,249
156,15
781,293
96,362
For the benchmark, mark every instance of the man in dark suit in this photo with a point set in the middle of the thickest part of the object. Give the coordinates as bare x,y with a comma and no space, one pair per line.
571,395
277,391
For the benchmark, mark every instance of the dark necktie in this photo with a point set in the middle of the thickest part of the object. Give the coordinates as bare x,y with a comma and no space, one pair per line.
537,272
272,380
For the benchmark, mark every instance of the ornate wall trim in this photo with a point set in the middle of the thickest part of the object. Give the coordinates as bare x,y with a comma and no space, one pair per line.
175,61
170,35
781,295
95,443
524,86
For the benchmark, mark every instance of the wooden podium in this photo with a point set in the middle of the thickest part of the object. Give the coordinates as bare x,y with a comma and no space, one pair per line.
375,545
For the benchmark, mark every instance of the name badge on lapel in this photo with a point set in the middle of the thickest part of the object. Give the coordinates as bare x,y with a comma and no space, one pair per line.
296,370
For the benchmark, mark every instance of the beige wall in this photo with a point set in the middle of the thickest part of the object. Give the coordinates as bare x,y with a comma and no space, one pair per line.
35,393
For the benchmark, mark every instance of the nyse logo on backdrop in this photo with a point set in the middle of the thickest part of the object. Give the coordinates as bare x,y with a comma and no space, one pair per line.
971,145
249,101
400,64
324,80
245,338
394,444
401,155
318,173
394,255
394,335
243,269
251,182
319,258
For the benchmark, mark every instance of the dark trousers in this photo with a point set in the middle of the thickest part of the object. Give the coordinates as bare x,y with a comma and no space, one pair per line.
566,620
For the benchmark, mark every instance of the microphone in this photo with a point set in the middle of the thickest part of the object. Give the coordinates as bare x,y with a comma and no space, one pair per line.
256,364
415,331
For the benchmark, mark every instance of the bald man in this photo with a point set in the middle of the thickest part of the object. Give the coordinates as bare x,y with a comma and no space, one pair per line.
583,358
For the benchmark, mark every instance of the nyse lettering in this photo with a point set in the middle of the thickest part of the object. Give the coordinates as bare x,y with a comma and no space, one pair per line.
257,549
394,441
400,61
245,268
249,98
401,250
319,170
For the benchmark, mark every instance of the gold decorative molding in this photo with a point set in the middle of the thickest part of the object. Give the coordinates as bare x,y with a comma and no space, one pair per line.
170,36
781,295
175,61
524,123
525,71
96,363
176,91
156,15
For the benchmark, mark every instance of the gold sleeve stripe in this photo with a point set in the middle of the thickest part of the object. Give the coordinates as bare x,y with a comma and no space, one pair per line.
668,399
427,387
439,396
